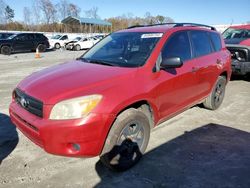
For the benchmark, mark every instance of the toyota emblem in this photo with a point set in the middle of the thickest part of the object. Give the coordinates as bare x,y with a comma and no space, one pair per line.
24,102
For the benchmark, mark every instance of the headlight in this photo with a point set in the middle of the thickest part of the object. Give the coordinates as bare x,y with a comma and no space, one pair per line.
75,108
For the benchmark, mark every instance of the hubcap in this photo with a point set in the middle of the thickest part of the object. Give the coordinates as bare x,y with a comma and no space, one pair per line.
219,92
133,132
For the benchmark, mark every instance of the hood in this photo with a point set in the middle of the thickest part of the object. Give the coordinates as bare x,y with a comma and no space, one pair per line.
237,41
73,79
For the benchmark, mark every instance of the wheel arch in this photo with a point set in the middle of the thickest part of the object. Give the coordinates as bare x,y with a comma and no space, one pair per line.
225,74
145,106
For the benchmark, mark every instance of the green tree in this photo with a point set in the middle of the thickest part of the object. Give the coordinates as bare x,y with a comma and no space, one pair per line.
9,14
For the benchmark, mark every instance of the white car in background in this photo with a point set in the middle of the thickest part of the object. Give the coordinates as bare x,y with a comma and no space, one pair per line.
70,45
58,41
85,43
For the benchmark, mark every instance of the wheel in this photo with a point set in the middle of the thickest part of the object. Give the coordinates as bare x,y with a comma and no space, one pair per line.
77,47
214,100
41,47
57,46
6,50
127,140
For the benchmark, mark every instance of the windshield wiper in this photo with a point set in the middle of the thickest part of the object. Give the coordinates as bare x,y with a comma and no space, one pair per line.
97,61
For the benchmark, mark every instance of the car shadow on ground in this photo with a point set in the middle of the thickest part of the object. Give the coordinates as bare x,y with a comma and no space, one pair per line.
239,77
30,52
210,156
8,137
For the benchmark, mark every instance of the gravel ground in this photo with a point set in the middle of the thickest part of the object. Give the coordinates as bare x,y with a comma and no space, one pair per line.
198,148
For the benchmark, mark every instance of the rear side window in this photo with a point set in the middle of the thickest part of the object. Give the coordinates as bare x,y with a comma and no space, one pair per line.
30,36
40,36
216,40
201,43
177,46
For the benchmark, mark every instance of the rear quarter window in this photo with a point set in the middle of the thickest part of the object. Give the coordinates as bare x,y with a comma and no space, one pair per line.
216,40
201,43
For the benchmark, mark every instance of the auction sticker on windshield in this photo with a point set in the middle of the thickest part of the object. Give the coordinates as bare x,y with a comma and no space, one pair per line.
151,35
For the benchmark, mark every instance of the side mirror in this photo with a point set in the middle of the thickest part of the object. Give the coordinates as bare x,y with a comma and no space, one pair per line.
173,62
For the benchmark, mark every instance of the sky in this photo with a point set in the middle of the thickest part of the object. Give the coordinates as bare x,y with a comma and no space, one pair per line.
198,11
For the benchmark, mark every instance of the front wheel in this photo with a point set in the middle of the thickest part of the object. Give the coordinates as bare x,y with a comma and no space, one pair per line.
57,46
214,100
126,141
77,47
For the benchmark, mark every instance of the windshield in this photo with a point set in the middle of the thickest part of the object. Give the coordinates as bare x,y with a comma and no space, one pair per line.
56,37
129,49
232,33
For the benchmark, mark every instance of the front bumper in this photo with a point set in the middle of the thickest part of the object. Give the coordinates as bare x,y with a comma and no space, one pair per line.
240,68
58,137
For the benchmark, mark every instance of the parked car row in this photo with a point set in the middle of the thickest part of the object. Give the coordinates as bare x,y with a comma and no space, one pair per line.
22,42
78,43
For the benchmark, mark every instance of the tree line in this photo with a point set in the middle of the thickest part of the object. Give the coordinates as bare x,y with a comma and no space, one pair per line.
45,16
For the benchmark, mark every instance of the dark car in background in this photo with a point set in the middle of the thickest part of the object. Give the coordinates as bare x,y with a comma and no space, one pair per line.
24,42
5,35
237,39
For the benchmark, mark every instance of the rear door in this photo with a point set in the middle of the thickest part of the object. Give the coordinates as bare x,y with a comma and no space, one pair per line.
23,42
206,60
177,87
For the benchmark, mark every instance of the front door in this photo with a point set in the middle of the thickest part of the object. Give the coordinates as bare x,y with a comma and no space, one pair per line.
177,88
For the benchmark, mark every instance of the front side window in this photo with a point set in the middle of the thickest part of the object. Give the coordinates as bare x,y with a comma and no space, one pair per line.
129,49
177,46
21,37
56,37
201,43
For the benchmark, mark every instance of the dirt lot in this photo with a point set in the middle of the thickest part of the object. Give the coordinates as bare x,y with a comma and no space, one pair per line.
198,148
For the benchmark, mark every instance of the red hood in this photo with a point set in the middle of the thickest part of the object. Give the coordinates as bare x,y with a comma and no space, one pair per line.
72,79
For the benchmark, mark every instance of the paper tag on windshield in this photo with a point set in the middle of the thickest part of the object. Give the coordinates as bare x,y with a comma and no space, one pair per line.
151,35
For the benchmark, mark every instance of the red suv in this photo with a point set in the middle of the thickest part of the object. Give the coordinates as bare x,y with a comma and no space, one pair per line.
107,101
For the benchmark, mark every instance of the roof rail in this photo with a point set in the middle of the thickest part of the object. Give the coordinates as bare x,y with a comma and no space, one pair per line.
194,25
175,25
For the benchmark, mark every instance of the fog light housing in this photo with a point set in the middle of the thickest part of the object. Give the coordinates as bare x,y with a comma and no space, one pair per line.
76,147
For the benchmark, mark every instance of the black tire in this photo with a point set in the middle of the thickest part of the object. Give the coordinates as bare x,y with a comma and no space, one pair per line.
41,47
214,100
6,50
121,153
57,46
77,47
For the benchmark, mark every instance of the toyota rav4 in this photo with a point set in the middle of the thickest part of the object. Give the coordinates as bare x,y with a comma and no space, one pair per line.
106,102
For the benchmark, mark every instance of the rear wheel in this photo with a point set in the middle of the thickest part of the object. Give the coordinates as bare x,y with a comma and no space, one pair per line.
77,47
214,100
6,50
126,141
41,47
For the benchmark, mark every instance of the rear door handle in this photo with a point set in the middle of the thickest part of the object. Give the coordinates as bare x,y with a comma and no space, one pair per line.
219,62
195,69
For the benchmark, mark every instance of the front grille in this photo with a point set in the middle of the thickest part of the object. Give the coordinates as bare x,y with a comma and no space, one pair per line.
240,54
29,103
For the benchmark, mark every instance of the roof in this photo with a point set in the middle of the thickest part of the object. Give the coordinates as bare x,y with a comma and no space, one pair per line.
247,26
93,21
166,26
